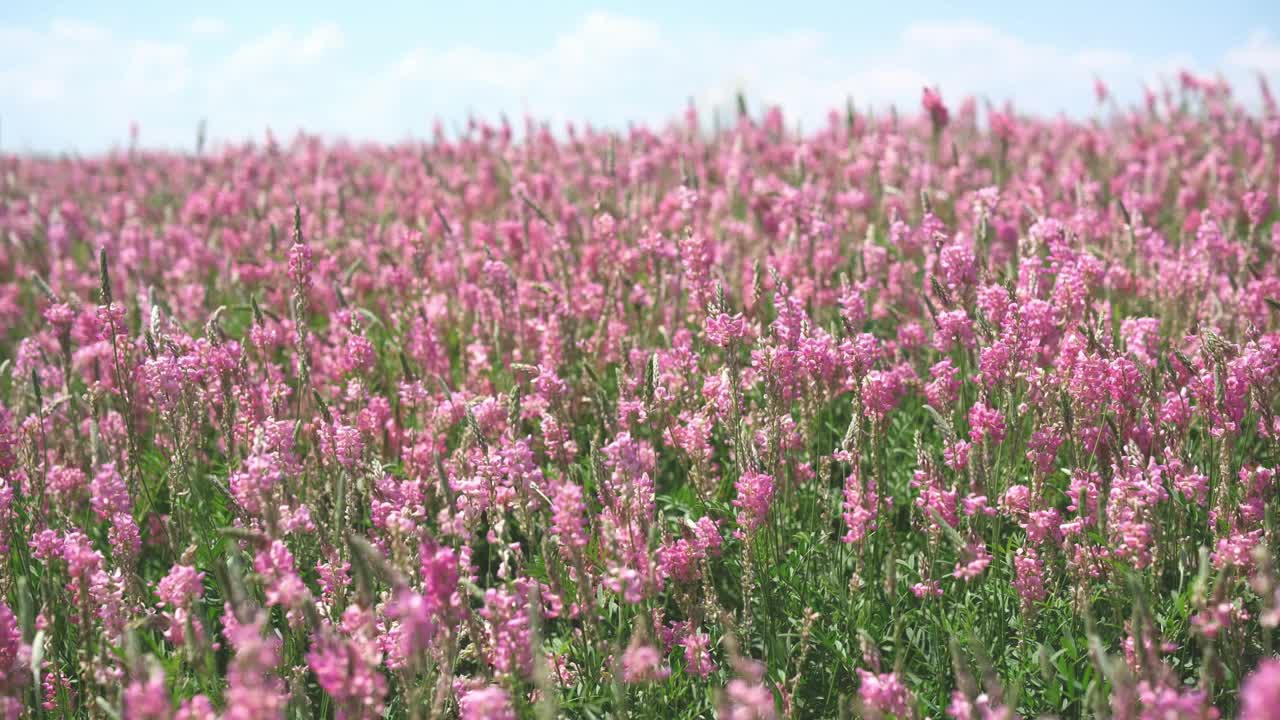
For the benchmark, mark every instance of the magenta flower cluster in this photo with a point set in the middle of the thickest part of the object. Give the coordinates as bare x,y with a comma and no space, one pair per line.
946,412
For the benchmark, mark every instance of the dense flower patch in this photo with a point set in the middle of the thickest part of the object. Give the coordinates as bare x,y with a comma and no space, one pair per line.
951,413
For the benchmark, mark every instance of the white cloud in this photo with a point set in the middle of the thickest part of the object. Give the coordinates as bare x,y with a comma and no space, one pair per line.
612,69
279,49
78,84
320,41
581,61
207,26
1260,53
602,34
156,69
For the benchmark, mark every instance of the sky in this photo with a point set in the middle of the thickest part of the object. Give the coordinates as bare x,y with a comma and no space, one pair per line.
75,76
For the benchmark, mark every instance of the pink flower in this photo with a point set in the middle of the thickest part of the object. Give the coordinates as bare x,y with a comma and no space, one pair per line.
932,103
725,330
883,692
643,663
955,328
487,703
147,699
956,455
679,560
755,495
985,423
12,672
440,570
181,586
853,308
1257,205
506,616
746,698
1100,90
860,508
881,392
943,389
1260,693
108,494
66,483
1029,576
707,536
255,483
980,708
974,558
300,264
567,516
417,623
254,691
346,667
343,443
281,581
927,589
197,708
957,265
697,654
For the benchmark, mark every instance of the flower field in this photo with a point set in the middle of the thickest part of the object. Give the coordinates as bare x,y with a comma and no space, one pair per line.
952,412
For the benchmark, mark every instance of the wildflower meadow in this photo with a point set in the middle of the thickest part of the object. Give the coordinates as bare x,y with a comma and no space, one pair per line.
951,411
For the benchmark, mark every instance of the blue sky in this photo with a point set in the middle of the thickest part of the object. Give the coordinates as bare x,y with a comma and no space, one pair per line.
75,75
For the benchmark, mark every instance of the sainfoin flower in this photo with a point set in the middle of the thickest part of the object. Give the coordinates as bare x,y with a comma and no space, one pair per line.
516,418
746,697
147,698
933,105
346,667
643,663
883,692
755,495
12,673
488,703
1261,690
